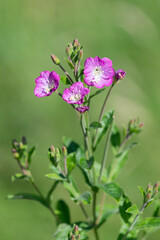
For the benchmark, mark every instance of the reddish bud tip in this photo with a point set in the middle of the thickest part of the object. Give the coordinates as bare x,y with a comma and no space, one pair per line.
55,59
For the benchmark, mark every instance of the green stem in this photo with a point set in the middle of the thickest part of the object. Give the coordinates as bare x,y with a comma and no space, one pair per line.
67,74
84,212
96,234
105,102
52,189
105,152
135,220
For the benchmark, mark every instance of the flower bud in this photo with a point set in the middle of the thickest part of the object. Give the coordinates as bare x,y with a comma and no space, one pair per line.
55,59
147,197
73,237
80,56
78,236
150,188
58,154
64,151
52,149
15,153
75,43
24,140
156,186
75,230
119,75
78,46
15,143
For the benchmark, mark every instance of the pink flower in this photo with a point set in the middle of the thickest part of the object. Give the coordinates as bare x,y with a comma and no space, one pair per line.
46,83
82,109
98,72
75,94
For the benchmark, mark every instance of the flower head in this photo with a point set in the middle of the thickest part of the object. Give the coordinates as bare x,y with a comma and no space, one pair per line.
119,74
82,109
75,94
98,72
46,83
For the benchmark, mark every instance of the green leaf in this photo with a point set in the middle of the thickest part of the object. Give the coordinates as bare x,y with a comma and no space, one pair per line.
62,232
84,225
71,162
62,210
117,165
86,176
86,164
97,166
70,145
148,223
69,63
86,198
133,209
18,176
95,125
28,196
112,189
142,191
65,80
30,153
115,137
105,122
124,204
72,189
56,175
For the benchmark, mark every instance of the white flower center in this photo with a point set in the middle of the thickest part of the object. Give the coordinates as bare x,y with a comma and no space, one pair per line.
97,72
75,97
49,88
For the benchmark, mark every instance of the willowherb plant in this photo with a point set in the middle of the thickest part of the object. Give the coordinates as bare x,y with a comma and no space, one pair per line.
99,177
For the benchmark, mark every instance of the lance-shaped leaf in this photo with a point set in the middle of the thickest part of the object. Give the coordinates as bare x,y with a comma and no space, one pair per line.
149,223
97,166
105,122
115,138
71,162
72,188
117,165
95,125
69,63
56,175
86,198
65,80
62,210
62,232
124,204
28,196
19,176
70,145
30,153
86,164
112,189
133,209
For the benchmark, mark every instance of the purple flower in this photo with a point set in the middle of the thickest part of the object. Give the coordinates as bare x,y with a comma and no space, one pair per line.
46,83
82,109
75,94
98,72
119,74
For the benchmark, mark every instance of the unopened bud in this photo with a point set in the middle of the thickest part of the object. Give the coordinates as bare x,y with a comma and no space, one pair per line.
119,75
64,151
80,54
75,43
24,140
58,154
15,143
78,46
148,197
141,125
73,237
156,186
78,236
52,149
15,153
149,188
55,59
75,230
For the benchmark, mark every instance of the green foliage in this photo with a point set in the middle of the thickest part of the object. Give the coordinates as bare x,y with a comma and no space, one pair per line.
62,232
124,204
105,123
71,162
149,223
112,189
56,175
65,80
85,197
62,210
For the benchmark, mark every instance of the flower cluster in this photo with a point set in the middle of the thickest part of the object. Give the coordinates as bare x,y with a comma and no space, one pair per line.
97,72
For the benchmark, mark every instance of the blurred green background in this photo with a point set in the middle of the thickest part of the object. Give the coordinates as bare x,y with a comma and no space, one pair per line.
128,32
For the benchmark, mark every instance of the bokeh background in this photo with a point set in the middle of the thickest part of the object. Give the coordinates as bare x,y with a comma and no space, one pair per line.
128,32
